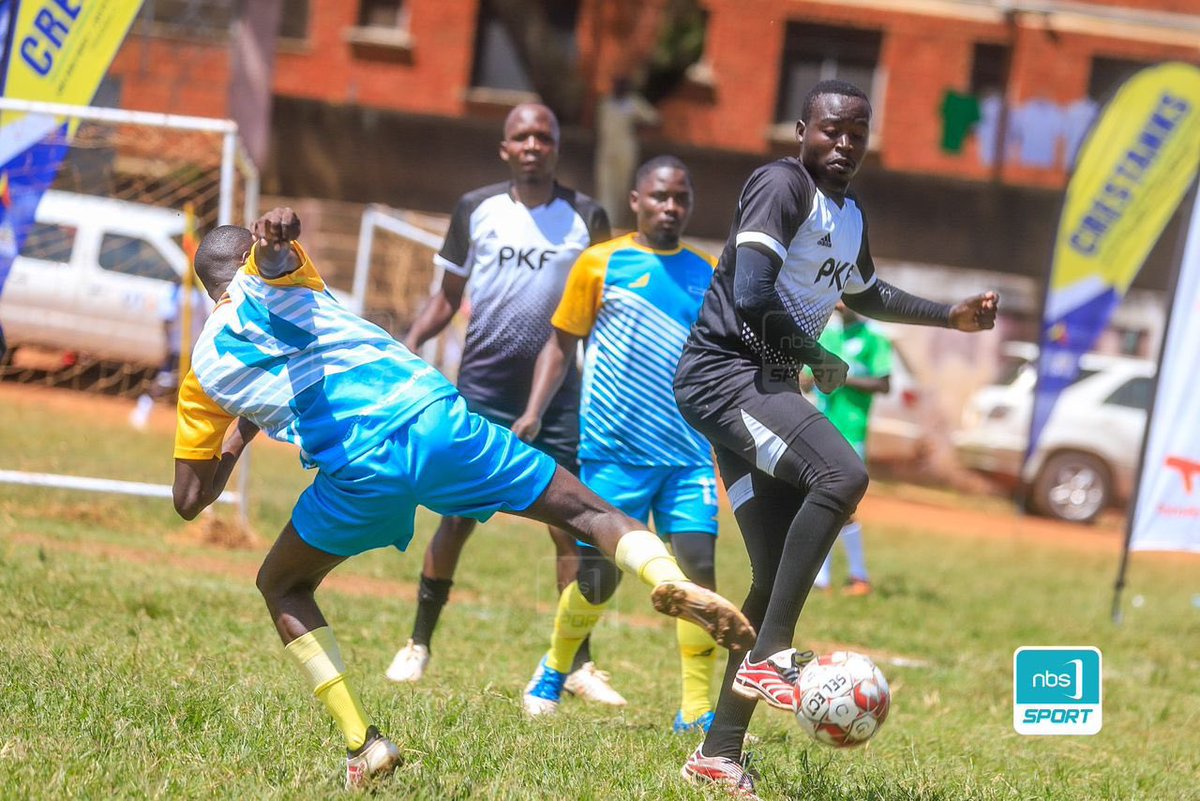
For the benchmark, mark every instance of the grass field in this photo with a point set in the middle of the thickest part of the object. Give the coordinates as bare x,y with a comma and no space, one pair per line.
138,661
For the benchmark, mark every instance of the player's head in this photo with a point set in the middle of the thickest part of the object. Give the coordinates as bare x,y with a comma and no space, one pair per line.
662,201
220,255
833,130
530,143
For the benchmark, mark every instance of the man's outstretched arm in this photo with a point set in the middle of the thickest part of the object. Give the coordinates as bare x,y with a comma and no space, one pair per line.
882,301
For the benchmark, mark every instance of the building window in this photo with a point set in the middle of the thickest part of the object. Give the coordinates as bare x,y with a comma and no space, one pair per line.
383,14
293,20
1108,74
191,18
498,64
212,19
382,24
989,69
813,53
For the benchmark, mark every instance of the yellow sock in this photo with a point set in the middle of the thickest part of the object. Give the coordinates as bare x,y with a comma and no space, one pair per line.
573,622
644,555
697,660
318,656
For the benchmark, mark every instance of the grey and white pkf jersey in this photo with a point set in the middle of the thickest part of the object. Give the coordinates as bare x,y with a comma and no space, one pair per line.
823,247
517,259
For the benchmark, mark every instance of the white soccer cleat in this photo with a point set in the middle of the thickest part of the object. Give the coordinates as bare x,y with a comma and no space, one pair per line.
591,684
377,758
538,707
409,663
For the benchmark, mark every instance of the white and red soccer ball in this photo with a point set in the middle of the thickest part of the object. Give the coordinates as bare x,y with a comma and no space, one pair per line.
842,699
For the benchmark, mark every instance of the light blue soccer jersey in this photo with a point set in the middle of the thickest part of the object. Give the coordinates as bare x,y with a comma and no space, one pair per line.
636,306
288,357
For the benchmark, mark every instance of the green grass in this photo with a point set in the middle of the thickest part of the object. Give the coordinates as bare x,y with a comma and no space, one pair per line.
136,662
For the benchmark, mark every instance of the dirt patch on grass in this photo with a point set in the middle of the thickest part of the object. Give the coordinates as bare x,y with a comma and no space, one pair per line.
229,534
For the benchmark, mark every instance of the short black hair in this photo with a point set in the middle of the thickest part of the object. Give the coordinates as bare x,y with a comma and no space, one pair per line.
220,255
657,163
830,87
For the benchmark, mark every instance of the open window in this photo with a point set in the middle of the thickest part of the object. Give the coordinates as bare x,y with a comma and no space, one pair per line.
814,53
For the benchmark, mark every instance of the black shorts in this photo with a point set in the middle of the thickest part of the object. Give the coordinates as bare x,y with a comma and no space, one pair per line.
558,439
759,424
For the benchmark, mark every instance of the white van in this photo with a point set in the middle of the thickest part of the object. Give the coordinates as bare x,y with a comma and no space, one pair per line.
92,277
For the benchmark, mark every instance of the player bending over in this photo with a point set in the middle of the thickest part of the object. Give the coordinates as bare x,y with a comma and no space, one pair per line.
386,432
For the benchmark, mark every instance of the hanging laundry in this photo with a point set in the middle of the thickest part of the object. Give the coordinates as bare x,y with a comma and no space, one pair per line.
1037,125
960,112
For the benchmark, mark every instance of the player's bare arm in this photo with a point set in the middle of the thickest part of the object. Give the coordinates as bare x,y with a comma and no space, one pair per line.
273,234
199,482
548,375
437,311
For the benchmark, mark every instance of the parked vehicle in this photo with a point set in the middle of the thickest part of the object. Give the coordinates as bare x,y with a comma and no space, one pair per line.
896,432
1088,452
91,277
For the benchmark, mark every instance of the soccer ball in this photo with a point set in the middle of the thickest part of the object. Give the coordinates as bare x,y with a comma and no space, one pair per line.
842,699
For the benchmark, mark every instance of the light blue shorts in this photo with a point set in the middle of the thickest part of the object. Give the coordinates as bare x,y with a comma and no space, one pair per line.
683,500
445,459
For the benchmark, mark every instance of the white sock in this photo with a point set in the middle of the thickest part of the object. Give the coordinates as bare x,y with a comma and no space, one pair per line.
852,538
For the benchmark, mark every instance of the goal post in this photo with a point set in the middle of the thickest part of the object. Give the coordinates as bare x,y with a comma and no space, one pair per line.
114,218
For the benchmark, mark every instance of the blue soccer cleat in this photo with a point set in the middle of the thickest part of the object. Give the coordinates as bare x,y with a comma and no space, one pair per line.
544,692
700,725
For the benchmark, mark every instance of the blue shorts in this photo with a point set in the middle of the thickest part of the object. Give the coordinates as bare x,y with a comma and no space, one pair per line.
682,499
445,458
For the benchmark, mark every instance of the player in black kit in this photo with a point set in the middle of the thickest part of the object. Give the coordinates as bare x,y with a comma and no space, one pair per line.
798,245
516,241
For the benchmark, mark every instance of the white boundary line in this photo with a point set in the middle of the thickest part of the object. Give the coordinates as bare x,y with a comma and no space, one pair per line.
98,485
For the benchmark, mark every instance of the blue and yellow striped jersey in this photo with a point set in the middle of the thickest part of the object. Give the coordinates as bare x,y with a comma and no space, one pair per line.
636,306
287,356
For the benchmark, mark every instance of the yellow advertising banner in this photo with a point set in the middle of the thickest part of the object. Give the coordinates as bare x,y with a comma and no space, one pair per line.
1135,167
1132,172
61,49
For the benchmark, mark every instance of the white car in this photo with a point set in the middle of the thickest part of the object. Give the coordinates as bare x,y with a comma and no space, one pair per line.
91,277
1088,452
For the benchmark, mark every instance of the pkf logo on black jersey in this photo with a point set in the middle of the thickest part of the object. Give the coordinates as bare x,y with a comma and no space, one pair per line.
837,272
533,258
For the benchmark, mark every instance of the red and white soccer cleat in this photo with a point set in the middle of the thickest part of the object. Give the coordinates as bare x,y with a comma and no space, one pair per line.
733,777
773,679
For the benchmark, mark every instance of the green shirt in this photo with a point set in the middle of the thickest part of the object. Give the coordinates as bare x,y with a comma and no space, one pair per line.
869,355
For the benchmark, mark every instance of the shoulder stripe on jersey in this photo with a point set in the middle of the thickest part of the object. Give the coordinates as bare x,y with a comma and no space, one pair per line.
757,237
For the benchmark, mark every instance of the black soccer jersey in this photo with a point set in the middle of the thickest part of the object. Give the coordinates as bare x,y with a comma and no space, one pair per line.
824,251
517,259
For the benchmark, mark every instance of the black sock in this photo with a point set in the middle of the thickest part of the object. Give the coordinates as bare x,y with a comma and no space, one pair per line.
431,597
583,655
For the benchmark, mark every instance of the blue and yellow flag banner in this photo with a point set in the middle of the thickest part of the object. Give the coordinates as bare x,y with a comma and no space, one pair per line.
55,51
1136,165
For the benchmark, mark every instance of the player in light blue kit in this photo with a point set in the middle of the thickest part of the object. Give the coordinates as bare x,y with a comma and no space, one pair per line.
386,432
634,299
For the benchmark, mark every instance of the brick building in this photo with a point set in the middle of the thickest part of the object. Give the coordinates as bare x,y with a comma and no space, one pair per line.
978,104
398,101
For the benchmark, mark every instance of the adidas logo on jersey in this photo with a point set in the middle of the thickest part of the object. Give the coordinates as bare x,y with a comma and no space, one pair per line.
825,241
